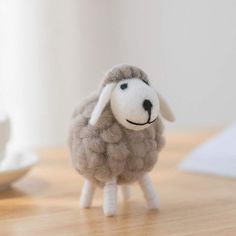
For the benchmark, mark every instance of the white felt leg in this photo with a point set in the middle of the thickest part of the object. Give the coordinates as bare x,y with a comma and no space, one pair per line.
110,198
149,192
125,189
87,194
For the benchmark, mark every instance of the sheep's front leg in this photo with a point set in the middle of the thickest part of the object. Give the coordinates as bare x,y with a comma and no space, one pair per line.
149,192
110,198
87,194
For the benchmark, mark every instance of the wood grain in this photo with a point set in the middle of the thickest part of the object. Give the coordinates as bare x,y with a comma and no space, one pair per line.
46,202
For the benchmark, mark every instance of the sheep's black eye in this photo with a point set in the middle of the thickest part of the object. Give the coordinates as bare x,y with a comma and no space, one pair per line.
124,86
145,82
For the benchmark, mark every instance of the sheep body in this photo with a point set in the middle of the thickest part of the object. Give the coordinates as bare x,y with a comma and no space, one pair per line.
108,149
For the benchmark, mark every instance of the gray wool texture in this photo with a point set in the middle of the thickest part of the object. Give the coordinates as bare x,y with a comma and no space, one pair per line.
108,149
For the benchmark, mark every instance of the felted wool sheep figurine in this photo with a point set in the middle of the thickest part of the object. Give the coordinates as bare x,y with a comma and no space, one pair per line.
115,136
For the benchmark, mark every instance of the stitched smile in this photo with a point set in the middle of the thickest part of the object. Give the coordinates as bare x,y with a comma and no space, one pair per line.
134,123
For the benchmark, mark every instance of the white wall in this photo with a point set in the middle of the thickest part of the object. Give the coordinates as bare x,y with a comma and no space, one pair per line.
54,52
198,42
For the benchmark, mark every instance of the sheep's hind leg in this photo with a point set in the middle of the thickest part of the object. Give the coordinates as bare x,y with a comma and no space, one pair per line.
125,190
149,192
110,198
87,194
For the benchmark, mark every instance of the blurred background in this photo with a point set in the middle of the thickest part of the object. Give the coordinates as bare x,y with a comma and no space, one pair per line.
53,53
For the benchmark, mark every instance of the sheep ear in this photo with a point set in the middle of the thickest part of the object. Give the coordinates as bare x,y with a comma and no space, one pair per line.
102,102
165,109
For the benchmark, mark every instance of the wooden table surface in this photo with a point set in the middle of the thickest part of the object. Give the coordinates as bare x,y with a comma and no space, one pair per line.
46,201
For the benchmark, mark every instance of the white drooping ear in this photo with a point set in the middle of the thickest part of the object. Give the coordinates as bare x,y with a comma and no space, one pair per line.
102,102
165,109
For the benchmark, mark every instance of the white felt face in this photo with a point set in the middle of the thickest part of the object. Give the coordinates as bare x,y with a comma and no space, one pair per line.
134,104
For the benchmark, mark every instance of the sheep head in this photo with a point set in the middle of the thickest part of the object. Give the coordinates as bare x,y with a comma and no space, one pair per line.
134,102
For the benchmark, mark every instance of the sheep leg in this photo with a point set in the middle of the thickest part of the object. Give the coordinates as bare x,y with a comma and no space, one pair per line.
110,198
87,194
125,190
148,192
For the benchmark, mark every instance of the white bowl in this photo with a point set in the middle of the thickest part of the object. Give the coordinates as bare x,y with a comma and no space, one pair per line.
15,166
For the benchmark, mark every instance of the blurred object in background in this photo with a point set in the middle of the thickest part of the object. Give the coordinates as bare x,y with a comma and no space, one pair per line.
55,52
13,164
217,156
46,64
